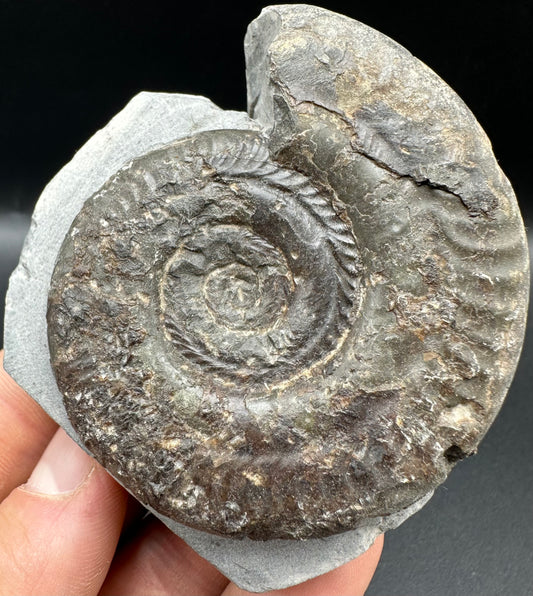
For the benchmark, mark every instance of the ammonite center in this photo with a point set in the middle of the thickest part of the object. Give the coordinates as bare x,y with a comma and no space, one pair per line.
232,294
226,292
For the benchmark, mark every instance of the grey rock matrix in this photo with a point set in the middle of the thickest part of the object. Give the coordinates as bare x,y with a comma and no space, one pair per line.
284,327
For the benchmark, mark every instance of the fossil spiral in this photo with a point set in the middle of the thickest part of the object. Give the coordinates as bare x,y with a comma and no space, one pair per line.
282,331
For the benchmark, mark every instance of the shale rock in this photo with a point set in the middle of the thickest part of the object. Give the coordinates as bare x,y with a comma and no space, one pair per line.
288,326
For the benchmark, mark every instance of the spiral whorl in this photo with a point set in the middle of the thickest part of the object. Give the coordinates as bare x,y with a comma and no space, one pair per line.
266,273
287,332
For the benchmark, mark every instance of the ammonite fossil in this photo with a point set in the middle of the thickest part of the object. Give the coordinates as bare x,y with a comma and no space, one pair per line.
284,326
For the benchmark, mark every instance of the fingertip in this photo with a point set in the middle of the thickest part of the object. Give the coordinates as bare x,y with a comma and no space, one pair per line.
59,531
62,468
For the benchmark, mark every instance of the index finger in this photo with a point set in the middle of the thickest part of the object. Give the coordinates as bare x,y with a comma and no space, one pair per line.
25,430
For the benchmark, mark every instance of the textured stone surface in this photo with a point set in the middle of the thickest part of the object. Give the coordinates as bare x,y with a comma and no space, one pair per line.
259,566
150,119
287,331
257,352
199,297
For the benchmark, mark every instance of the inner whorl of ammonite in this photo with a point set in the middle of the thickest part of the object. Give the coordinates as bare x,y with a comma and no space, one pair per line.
245,268
223,284
263,278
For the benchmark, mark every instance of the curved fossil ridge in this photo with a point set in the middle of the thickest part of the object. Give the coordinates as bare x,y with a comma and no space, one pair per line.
283,347
261,286
200,270
443,243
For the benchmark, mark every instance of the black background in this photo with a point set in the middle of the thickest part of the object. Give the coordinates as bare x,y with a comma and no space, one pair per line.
67,66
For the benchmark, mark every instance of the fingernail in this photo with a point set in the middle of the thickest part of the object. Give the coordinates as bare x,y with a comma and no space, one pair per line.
62,468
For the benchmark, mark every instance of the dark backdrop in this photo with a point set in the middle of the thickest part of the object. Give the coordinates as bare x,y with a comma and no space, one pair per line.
67,66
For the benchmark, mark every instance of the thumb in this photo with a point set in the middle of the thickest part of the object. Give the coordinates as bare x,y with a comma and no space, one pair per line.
59,531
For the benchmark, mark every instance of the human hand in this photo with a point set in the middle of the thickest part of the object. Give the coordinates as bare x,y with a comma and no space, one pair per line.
59,529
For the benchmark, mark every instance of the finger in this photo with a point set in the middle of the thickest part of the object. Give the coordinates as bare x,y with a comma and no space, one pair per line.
58,532
157,562
25,430
350,579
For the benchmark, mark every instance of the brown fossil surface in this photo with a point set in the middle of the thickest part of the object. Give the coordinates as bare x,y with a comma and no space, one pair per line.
281,334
